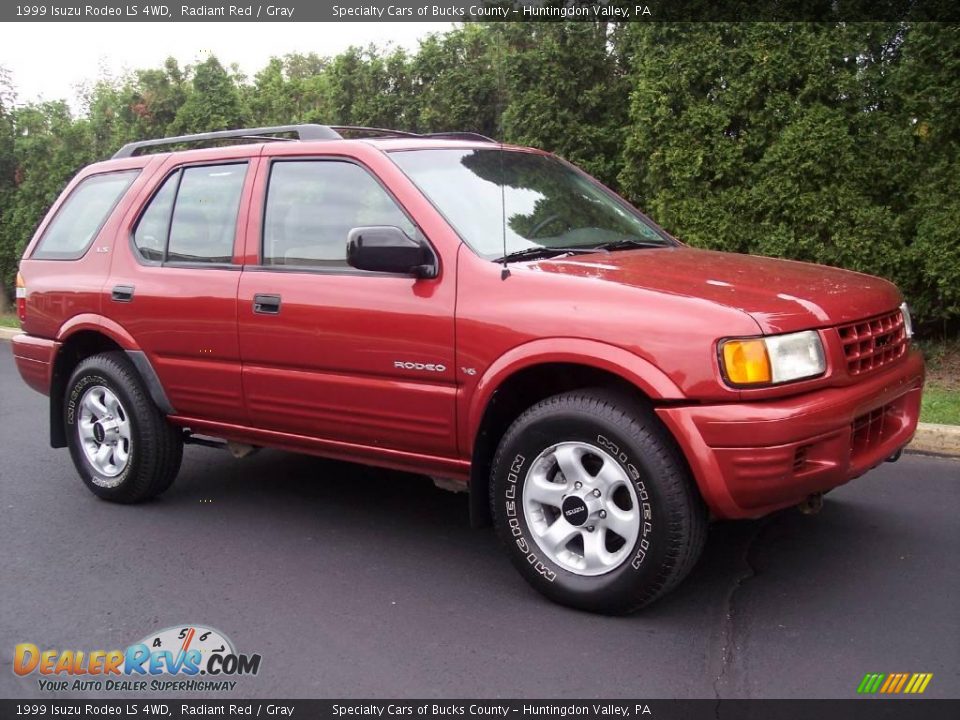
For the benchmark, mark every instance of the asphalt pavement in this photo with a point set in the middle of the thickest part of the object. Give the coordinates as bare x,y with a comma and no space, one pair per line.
356,582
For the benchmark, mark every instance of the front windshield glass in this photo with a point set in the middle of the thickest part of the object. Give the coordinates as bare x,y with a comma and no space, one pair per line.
546,203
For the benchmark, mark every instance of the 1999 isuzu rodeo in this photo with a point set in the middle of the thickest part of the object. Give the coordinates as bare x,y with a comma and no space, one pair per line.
447,305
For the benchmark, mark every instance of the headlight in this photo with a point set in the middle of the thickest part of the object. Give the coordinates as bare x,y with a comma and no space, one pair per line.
772,360
907,320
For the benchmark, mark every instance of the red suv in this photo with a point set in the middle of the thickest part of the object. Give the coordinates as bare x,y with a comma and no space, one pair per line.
484,314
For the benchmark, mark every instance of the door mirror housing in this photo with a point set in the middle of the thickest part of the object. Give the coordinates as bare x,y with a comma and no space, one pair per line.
385,248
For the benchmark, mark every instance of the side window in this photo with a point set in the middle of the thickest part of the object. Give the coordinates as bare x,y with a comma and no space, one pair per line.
313,204
80,218
193,217
150,237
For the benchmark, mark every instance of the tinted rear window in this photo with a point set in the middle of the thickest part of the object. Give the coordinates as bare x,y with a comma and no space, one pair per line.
193,217
80,218
204,220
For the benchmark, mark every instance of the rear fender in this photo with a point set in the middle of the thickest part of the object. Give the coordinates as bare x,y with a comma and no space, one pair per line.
116,333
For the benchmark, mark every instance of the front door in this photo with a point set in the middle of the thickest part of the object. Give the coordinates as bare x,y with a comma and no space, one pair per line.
336,353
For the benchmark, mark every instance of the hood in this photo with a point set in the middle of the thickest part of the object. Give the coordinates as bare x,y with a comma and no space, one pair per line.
781,295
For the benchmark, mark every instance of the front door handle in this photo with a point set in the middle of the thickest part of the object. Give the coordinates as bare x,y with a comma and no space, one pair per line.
122,293
266,304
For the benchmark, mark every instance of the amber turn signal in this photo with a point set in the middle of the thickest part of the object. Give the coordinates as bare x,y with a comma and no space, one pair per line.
746,362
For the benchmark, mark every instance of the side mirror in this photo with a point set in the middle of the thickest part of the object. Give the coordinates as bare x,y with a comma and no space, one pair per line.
385,248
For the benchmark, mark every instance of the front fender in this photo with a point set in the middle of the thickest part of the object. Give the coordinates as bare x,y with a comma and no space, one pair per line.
648,378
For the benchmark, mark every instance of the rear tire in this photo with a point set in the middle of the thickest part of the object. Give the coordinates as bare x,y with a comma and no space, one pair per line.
122,446
595,503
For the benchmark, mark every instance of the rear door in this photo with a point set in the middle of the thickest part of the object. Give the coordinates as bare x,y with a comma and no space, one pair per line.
332,352
175,290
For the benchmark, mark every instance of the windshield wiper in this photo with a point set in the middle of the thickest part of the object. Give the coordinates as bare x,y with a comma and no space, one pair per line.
628,242
536,253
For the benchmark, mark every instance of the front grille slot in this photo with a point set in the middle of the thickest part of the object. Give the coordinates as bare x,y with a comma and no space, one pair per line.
873,428
871,344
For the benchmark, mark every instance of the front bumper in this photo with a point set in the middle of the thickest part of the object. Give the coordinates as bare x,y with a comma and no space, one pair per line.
34,357
752,458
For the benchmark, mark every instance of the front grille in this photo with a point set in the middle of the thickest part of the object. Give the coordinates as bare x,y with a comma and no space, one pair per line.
871,344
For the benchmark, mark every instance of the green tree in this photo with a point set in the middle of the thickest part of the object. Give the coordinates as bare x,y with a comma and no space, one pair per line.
212,102
151,102
779,139
455,82
49,147
566,91
925,86
832,142
7,195
364,87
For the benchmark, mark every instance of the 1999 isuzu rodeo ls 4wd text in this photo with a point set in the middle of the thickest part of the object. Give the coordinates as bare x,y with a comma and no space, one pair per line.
450,306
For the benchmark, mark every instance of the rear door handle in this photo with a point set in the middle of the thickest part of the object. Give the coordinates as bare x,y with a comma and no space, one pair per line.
266,304
122,293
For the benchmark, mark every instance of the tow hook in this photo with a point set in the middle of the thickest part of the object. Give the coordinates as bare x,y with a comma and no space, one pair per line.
895,456
812,504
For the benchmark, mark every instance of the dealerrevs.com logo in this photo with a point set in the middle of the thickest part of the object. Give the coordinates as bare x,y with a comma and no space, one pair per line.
184,658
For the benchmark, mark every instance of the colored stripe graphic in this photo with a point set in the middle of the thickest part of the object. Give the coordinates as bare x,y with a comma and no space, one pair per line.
903,680
918,683
908,683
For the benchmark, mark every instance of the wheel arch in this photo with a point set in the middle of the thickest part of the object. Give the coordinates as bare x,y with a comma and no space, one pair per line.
535,371
82,337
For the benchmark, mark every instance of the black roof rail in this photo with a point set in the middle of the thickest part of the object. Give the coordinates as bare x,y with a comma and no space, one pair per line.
303,132
375,131
459,136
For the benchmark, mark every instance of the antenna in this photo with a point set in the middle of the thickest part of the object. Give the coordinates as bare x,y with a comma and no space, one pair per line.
505,271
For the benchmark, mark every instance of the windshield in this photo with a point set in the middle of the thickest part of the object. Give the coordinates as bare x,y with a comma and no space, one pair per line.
547,203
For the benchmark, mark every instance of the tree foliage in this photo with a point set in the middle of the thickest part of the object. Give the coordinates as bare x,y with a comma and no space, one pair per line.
213,102
835,143
804,140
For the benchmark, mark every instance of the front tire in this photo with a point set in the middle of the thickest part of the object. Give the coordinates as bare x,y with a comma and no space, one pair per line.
594,502
122,446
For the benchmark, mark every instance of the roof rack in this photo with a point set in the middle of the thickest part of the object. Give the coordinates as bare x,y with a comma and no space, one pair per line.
302,132
459,136
374,131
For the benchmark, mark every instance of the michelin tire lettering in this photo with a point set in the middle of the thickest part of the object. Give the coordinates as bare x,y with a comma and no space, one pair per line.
515,528
642,494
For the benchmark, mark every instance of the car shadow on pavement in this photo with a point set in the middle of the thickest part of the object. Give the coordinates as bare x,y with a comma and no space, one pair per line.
382,571
390,509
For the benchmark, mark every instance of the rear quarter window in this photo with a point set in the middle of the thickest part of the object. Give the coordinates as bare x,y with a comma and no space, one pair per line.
79,219
193,216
